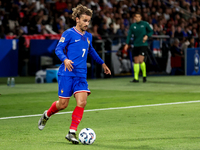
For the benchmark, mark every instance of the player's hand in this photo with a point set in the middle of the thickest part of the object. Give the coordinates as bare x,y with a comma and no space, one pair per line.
106,69
126,47
145,38
68,64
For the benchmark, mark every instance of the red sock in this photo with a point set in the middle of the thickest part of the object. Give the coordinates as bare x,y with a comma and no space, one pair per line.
52,110
76,117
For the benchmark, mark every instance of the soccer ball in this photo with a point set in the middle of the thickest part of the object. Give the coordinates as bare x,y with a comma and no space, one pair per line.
87,136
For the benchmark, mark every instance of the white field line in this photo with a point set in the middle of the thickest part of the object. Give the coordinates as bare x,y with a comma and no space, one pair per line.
114,108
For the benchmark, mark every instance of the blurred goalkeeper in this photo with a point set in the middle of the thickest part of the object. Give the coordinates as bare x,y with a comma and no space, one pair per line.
141,31
72,50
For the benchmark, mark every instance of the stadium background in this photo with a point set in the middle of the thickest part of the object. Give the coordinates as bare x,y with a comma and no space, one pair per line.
36,23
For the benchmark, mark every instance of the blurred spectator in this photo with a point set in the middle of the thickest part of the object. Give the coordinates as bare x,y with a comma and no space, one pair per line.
94,32
104,30
185,45
155,30
107,19
167,14
126,20
175,50
60,24
124,60
61,5
176,58
123,32
185,34
116,25
69,8
111,30
94,3
194,33
171,32
68,20
54,16
192,43
178,33
193,6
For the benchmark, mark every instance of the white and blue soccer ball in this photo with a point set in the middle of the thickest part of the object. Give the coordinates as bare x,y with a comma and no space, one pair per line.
87,136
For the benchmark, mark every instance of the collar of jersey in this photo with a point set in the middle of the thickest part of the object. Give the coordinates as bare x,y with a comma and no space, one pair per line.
78,31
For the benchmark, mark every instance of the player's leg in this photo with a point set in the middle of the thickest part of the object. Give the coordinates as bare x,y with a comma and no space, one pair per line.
136,67
81,99
142,63
81,92
64,93
55,107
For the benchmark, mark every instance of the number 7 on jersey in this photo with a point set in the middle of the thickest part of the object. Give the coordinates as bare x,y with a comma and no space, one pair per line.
83,52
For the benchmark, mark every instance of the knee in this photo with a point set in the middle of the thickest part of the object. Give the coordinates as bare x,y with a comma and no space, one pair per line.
141,61
62,104
82,103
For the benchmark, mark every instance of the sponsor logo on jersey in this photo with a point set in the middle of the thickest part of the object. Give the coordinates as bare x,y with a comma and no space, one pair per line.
77,40
62,39
142,26
134,27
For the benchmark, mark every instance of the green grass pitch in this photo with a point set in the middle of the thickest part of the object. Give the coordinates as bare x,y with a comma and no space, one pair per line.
152,127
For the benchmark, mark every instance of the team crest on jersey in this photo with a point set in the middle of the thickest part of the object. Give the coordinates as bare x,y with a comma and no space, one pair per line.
62,39
88,41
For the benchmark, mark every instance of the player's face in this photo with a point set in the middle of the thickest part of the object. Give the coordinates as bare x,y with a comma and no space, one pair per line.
83,22
138,17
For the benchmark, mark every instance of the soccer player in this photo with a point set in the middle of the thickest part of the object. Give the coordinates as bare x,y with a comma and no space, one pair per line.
141,31
72,50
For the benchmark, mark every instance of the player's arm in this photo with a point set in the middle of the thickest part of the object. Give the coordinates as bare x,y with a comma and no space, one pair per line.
96,57
106,69
149,30
64,40
128,38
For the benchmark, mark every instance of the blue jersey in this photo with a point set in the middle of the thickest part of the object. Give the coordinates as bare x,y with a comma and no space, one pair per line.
75,46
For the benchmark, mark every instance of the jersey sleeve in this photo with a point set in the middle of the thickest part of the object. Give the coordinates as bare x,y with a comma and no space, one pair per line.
149,30
129,35
63,42
92,52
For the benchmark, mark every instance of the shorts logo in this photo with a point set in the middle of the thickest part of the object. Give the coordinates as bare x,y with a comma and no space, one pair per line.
62,91
142,53
62,39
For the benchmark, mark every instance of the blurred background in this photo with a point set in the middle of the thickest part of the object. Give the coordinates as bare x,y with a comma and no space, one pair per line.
31,29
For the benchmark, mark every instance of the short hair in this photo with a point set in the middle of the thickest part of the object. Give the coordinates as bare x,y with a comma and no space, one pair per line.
138,13
176,40
80,10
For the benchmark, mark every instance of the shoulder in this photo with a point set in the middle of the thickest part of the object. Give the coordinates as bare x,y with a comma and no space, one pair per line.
68,32
146,23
